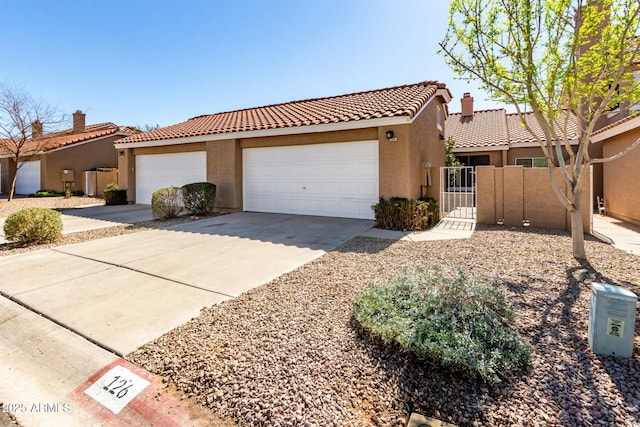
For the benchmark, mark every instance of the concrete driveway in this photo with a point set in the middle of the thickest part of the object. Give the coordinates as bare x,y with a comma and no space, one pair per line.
124,291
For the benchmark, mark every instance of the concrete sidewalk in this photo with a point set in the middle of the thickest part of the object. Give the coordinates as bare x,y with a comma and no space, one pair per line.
620,234
446,229
46,369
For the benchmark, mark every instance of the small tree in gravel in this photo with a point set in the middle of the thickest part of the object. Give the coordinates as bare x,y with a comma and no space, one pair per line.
457,323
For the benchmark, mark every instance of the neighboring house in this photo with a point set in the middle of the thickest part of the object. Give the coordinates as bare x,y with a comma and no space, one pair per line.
621,176
74,150
330,156
495,138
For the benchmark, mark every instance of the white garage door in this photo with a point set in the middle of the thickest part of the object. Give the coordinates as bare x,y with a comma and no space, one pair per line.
155,171
338,179
28,178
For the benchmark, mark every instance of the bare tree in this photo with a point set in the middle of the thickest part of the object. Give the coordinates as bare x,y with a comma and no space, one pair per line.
563,59
22,119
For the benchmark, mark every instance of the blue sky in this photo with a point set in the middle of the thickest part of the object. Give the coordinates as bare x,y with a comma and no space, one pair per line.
162,62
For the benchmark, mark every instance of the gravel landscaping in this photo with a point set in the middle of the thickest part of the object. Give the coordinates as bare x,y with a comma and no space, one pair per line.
288,353
7,208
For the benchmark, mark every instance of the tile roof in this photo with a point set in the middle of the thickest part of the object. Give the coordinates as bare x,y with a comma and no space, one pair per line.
486,128
54,140
495,129
616,123
519,134
389,102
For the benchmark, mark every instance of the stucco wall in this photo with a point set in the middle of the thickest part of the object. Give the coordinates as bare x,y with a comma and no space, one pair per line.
224,169
78,158
426,146
515,193
621,178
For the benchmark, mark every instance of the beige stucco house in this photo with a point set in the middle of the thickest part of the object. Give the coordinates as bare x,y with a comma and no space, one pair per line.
48,155
330,156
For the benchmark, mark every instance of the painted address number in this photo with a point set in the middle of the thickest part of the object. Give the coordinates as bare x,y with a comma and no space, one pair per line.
116,388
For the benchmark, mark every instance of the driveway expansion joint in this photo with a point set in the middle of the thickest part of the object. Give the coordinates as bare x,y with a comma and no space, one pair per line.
61,324
178,282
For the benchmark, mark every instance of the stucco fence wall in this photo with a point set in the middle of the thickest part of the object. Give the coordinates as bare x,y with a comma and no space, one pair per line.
514,194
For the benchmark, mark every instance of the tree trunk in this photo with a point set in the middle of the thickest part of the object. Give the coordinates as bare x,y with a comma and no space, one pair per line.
12,188
577,231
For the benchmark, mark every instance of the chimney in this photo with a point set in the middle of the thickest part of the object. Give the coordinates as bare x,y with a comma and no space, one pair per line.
78,121
467,105
36,129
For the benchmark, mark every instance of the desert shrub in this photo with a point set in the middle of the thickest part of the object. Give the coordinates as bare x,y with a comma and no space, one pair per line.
199,198
406,214
457,323
166,203
114,195
33,225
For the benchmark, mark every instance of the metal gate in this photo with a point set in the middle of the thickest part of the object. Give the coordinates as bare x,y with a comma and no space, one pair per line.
458,192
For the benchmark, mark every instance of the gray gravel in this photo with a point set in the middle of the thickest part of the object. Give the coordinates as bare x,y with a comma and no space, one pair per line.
287,353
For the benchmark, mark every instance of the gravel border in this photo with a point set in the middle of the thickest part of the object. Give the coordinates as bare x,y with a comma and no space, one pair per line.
288,353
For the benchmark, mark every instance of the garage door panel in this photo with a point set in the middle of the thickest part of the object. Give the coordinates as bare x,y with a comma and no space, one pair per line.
155,171
337,179
28,178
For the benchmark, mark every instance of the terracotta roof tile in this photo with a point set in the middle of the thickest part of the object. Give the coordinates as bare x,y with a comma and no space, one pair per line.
519,134
54,140
487,128
616,123
496,129
390,102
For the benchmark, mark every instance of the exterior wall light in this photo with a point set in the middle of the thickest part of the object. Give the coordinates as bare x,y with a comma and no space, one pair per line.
121,153
389,134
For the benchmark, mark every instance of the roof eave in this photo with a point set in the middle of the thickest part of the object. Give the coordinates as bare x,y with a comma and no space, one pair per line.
329,127
616,130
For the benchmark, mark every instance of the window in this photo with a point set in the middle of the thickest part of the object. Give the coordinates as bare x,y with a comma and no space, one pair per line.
439,118
532,162
478,160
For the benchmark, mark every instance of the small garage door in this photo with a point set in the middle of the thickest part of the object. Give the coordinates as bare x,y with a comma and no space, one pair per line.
155,171
28,178
338,179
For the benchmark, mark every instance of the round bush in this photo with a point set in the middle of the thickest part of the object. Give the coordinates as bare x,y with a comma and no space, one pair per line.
457,323
33,225
199,198
166,203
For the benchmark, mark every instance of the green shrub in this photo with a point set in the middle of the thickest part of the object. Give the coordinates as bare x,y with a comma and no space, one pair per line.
199,198
46,193
33,225
458,323
406,214
113,195
166,203
52,193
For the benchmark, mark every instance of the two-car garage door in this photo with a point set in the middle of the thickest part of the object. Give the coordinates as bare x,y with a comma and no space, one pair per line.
336,179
